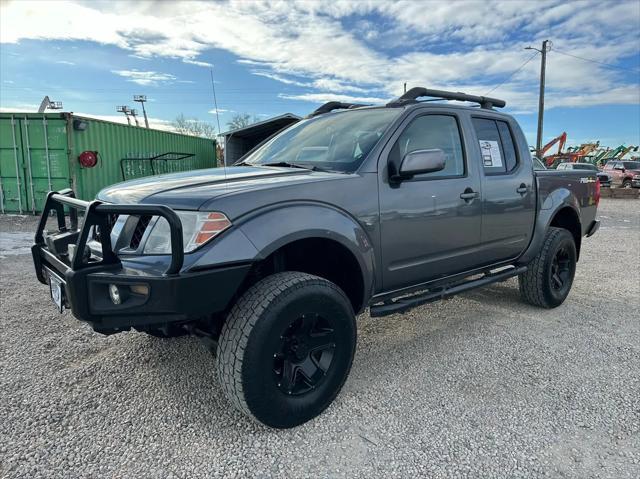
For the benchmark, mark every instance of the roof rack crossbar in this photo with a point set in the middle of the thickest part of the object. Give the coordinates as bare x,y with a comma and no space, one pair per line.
412,96
334,105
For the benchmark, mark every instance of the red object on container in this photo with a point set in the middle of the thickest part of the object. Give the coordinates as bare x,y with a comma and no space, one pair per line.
88,159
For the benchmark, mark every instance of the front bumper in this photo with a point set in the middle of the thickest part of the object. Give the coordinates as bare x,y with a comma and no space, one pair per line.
150,295
635,182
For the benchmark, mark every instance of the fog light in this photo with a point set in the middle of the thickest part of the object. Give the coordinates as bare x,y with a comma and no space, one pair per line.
114,293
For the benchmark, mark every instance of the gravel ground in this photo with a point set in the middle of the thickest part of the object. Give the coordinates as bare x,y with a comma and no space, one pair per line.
478,386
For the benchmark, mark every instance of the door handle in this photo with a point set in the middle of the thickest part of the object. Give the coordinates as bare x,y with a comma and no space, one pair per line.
522,189
469,194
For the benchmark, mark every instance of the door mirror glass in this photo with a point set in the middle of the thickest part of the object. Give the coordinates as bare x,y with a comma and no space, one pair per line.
421,161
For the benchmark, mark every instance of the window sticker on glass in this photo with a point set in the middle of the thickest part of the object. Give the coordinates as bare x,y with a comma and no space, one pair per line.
491,156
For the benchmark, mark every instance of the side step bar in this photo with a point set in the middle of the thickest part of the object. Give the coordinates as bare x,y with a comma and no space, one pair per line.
405,303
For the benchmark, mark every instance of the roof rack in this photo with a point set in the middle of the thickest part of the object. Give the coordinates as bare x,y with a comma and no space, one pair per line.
412,97
334,105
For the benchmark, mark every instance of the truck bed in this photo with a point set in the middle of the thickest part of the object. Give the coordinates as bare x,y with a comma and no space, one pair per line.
579,187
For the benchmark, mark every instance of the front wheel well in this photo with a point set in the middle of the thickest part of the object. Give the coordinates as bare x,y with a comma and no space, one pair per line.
568,219
321,257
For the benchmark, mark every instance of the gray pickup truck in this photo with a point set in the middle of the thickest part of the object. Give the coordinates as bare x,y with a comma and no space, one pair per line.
354,207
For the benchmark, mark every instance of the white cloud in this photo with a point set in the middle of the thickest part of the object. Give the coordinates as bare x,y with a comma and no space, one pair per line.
145,77
337,85
20,108
452,45
198,63
220,110
64,62
325,97
280,78
319,83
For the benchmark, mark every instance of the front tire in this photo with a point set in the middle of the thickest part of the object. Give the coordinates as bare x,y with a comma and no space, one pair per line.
626,184
286,348
549,277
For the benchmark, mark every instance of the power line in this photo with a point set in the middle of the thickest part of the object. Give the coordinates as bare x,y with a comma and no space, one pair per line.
510,76
635,70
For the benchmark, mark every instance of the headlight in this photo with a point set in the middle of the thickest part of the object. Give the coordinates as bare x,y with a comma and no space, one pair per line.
197,229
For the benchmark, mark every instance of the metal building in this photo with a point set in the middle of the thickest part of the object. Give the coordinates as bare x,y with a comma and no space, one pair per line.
240,141
40,152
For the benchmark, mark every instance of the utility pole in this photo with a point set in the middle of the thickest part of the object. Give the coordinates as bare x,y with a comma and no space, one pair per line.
546,46
142,99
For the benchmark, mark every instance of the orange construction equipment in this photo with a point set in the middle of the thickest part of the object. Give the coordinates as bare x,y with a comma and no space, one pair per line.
572,156
561,138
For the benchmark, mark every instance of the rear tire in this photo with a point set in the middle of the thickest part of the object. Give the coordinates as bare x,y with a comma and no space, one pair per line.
549,277
286,348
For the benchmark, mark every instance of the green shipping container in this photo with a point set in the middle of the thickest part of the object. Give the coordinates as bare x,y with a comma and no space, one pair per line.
39,153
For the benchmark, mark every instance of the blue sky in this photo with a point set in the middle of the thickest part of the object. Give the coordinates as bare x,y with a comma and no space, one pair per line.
270,58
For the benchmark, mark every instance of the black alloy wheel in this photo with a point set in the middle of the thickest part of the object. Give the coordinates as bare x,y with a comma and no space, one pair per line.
561,270
305,354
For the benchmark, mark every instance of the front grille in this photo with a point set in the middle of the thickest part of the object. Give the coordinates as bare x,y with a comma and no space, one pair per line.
138,233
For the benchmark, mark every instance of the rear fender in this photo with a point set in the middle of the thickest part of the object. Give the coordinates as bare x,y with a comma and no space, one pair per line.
553,203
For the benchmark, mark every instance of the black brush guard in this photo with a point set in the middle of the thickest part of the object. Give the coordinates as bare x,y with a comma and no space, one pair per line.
173,295
96,215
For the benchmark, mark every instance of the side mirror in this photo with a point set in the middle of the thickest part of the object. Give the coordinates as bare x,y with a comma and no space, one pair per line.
421,161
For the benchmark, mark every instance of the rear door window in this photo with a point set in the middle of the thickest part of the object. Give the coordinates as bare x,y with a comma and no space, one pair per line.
496,145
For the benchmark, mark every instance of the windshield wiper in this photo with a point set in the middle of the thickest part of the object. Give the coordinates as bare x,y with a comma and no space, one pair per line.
286,164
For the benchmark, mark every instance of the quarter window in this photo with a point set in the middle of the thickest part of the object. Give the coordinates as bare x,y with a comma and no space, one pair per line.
496,145
432,132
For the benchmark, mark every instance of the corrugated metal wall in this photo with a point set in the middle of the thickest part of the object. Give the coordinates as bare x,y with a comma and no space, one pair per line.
33,160
39,152
116,142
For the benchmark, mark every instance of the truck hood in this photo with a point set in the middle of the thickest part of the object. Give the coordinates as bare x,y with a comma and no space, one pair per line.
189,190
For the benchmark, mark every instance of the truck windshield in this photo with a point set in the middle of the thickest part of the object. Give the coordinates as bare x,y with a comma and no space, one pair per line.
335,141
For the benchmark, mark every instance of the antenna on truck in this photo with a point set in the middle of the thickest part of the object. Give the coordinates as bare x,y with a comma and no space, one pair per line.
215,104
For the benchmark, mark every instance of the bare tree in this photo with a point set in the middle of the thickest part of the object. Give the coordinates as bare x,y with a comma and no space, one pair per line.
240,120
193,127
